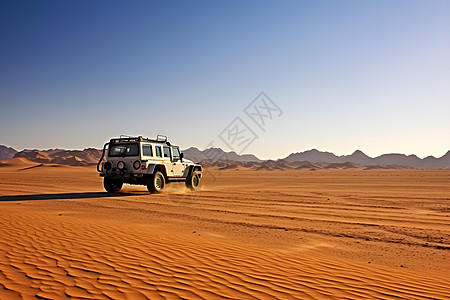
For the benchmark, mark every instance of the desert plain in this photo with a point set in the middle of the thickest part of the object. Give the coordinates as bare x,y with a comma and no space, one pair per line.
296,234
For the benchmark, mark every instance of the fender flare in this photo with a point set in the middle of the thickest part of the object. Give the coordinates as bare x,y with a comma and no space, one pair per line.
151,168
192,169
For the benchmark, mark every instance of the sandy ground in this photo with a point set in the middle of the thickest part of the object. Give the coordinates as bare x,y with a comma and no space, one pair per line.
247,234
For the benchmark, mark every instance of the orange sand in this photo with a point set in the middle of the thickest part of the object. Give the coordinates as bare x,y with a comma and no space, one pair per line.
247,234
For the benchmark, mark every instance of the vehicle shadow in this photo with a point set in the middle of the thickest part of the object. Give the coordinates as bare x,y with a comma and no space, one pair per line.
63,196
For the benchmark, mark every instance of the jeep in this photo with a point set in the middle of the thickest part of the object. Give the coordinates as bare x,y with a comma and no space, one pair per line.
143,161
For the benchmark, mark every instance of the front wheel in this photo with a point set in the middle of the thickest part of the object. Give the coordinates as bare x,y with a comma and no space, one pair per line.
156,183
193,182
112,186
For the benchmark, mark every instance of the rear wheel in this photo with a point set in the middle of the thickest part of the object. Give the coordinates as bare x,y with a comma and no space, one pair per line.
156,183
112,186
193,182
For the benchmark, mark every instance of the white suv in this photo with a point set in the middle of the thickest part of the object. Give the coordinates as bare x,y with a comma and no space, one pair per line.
138,160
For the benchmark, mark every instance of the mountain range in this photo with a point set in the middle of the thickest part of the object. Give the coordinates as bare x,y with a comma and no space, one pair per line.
316,156
197,155
312,159
7,152
358,157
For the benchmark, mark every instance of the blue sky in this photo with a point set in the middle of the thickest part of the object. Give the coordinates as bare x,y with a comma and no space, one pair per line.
368,75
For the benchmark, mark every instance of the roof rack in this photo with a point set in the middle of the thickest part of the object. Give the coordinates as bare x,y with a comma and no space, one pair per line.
126,138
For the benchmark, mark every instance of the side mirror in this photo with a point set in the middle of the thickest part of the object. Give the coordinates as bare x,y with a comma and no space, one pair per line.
181,156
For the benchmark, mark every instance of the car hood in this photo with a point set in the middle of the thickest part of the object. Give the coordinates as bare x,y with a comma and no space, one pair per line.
188,162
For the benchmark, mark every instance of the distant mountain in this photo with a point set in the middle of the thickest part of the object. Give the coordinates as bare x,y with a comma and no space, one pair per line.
358,157
445,159
6,152
313,156
398,159
89,156
197,155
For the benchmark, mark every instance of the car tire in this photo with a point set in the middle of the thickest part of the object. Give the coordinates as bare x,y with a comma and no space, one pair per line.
112,186
156,183
193,182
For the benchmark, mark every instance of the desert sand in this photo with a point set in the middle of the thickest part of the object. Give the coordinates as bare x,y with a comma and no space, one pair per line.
246,235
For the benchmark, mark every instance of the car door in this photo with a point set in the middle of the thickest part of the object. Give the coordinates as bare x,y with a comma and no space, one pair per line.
167,161
177,166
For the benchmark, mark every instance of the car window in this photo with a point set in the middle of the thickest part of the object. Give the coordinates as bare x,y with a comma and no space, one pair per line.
123,150
147,150
166,151
158,151
175,152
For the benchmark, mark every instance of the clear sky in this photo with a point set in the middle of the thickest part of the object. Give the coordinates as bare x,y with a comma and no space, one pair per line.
368,75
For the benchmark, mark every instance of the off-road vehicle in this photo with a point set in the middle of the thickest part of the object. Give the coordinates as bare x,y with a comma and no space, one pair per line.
138,160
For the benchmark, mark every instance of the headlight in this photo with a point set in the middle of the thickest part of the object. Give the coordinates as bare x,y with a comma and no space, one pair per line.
120,165
107,165
136,165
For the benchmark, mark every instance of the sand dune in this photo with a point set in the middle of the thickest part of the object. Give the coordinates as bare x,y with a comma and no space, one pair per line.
284,235
21,164
17,162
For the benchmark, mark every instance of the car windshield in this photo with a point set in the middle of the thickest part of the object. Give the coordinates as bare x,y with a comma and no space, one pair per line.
124,150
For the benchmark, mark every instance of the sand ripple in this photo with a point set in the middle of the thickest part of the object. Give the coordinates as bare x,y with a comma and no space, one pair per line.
45,255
